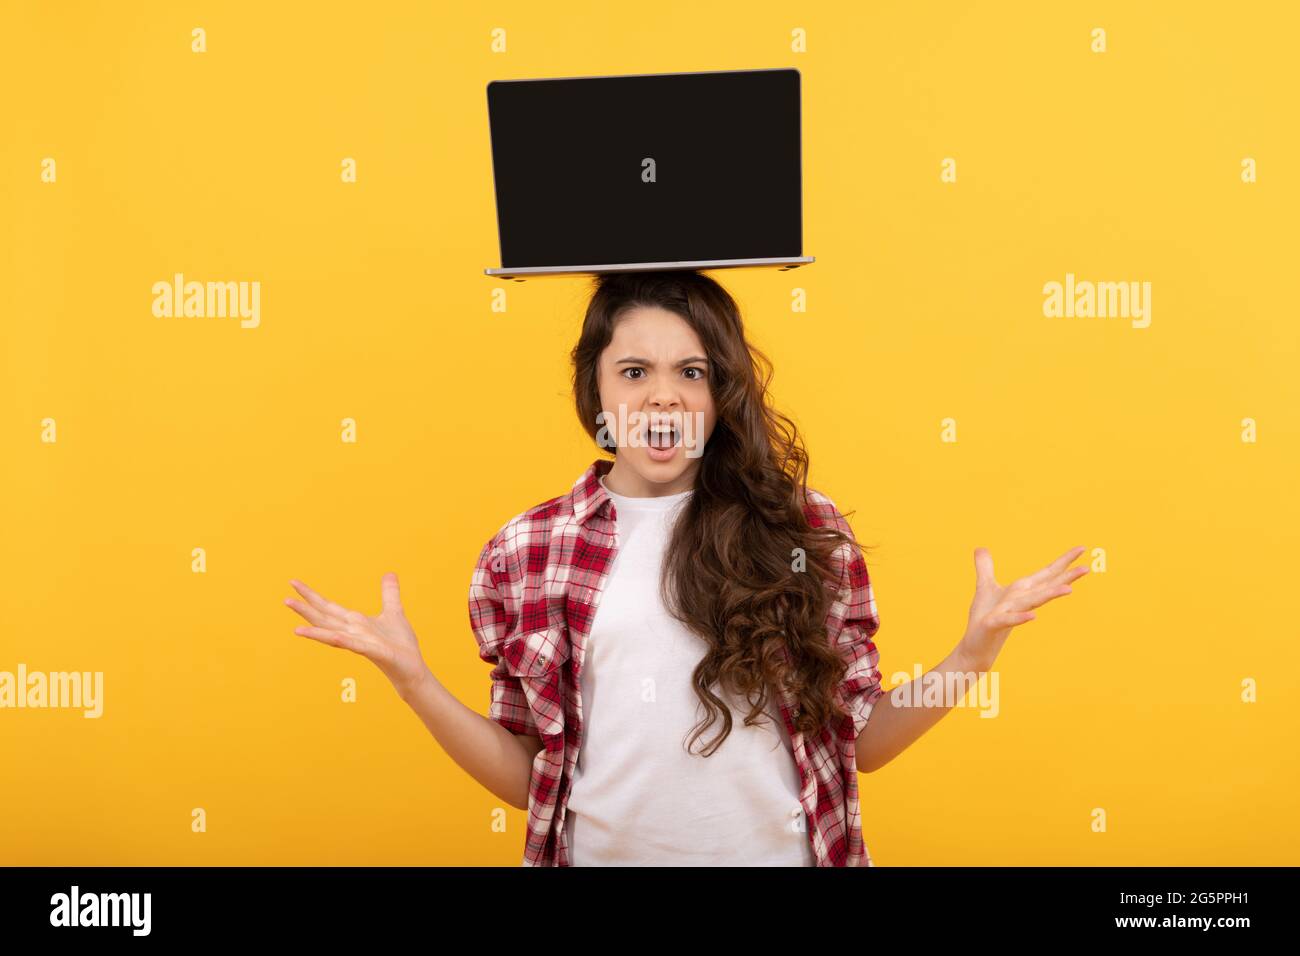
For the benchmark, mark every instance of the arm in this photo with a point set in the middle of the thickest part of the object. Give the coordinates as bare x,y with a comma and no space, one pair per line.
895,722
500,760
483,747
891,729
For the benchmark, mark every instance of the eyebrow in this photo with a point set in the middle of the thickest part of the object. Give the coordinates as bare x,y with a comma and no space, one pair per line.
645,361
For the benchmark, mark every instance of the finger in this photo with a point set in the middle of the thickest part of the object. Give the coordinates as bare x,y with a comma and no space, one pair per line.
332,637
1068,576
392,593
1039,597
1056,567
312,615
984,569
1011,618
318,602
1073,574
1060,564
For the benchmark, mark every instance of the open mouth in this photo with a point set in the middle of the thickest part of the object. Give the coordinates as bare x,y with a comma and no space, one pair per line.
664,437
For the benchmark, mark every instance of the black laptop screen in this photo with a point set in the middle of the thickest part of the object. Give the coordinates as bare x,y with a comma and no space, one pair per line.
568,157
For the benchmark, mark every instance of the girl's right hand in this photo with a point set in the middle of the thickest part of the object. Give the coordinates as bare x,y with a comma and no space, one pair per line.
387,640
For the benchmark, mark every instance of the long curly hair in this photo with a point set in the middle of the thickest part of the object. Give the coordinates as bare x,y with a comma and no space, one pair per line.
732,573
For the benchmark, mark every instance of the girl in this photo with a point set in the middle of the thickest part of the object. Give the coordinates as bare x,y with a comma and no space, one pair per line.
692,579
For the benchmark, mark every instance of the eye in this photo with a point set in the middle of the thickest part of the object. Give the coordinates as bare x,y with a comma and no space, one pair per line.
699,372
633,368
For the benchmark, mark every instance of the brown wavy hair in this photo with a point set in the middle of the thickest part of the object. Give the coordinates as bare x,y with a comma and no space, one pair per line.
729,571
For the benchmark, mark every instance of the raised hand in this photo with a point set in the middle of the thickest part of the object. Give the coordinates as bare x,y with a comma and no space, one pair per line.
386,640
995,610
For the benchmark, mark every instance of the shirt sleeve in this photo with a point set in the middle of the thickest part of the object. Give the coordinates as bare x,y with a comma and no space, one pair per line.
492,623
850,625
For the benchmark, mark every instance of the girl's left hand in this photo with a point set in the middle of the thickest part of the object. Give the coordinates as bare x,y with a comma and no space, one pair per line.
996,610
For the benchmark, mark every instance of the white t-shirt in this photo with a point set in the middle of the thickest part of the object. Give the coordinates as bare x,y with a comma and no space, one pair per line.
638,798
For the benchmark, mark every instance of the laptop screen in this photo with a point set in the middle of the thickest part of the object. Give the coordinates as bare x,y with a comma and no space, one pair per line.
654,168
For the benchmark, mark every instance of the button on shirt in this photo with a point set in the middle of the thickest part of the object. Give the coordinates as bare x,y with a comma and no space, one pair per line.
534,597
638,796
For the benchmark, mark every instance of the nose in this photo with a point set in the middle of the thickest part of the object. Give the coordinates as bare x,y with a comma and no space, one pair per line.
663,399
663,396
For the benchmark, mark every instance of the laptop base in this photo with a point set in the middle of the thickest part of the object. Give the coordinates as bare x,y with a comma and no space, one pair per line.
527,272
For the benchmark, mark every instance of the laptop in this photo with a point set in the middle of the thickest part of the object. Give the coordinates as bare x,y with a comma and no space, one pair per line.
656,171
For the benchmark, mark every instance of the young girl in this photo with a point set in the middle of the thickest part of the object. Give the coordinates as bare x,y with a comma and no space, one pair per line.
693,579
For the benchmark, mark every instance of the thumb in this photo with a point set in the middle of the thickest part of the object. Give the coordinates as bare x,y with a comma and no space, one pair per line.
984,569
392,593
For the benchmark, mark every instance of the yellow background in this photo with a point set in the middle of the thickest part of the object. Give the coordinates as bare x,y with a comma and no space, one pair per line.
925,302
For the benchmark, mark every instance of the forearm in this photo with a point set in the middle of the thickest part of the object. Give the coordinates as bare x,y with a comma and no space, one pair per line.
492,755
900,717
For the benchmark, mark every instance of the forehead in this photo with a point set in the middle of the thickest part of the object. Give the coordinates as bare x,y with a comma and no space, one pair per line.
653,332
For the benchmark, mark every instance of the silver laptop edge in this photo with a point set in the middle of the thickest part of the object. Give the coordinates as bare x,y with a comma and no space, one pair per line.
792,262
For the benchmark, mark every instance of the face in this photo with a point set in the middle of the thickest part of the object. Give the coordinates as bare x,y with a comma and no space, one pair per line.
655,368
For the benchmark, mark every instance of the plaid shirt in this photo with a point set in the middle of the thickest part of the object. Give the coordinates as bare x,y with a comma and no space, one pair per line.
532,600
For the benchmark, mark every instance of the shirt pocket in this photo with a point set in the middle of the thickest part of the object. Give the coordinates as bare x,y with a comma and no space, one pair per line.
535,658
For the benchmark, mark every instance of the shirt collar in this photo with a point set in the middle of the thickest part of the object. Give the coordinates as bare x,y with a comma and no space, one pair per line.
589,495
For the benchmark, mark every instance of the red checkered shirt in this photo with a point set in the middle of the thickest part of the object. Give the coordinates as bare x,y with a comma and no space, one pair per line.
532,600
